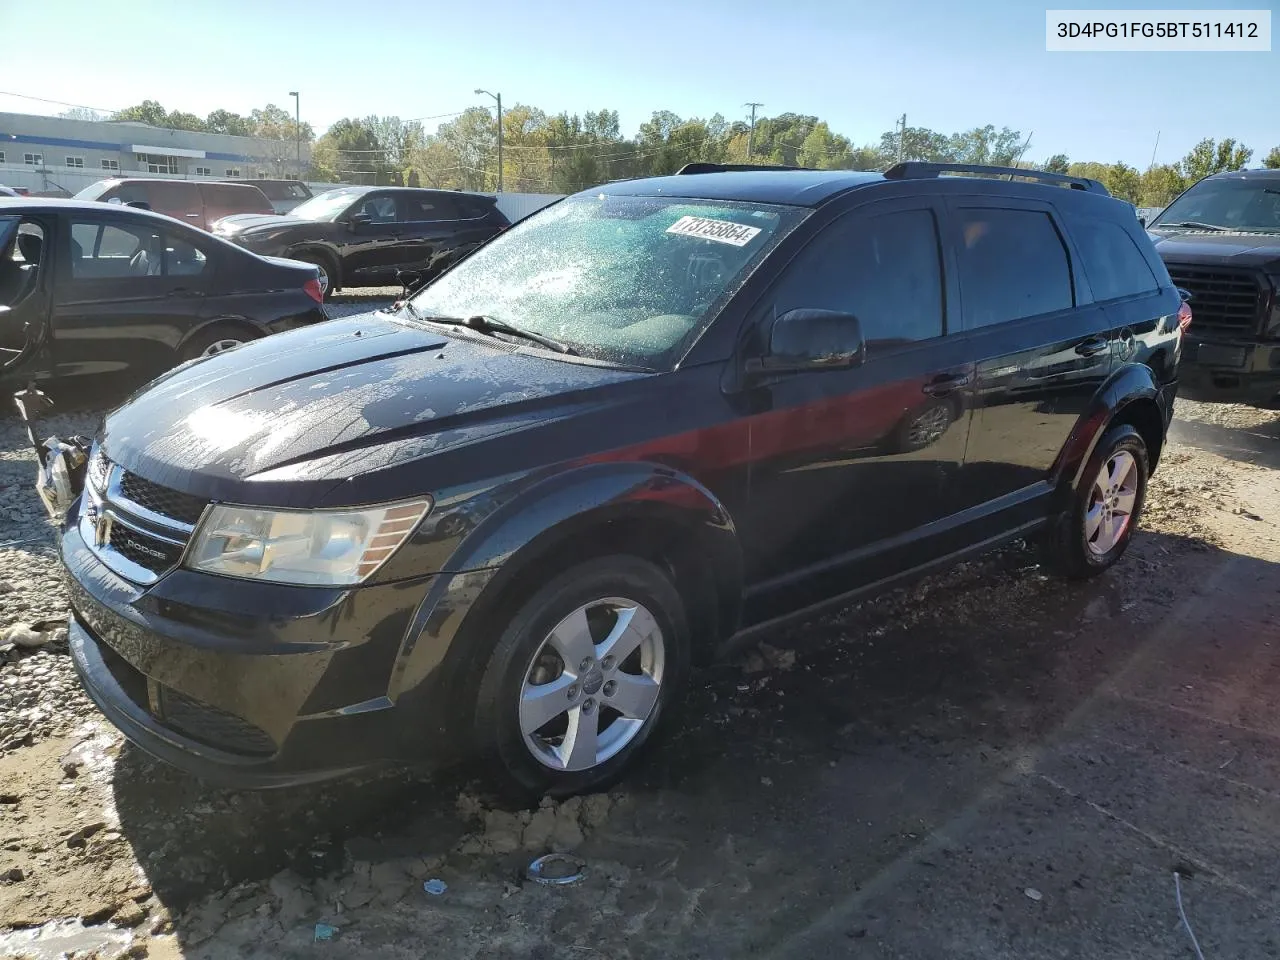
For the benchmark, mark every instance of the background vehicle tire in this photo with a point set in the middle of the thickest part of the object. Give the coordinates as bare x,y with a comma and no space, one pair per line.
1105,510
584,673
328,272
213,341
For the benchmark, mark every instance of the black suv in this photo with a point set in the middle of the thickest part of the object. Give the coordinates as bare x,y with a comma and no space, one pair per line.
1221,242
503,520
371,236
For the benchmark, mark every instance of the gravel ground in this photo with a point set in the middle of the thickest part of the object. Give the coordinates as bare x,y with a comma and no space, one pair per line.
991,763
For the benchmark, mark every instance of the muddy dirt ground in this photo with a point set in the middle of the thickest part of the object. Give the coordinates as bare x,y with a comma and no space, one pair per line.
991,763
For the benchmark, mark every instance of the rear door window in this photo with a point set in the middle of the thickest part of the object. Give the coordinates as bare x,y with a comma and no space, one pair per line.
119,251
1113,264
413,208
1013,264
226,196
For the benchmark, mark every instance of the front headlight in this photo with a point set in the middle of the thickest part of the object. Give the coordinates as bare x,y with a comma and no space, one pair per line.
316,547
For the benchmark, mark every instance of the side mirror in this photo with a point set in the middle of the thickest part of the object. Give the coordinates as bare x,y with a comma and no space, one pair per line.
812,340
1184,293
1142,220
359,220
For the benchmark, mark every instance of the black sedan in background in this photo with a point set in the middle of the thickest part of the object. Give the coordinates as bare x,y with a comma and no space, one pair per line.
90,291
368,236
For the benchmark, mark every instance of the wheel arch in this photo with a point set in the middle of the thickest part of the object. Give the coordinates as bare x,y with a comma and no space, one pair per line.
1130,395
230,322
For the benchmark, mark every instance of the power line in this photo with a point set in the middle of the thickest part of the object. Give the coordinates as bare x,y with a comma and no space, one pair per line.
57,103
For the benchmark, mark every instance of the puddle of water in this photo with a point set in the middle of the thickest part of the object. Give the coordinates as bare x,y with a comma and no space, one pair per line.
60,938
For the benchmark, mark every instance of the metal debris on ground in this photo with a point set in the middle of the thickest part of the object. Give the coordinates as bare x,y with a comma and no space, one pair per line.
435,887
324,932
556,869
1033,893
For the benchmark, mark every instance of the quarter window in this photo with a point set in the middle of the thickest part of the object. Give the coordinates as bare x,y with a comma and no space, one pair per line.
1012,265
884,269
1112,261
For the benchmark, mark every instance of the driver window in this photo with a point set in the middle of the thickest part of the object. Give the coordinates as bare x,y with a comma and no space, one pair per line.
380,209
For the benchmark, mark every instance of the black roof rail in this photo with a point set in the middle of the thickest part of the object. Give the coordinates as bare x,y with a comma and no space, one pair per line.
700,167
920,169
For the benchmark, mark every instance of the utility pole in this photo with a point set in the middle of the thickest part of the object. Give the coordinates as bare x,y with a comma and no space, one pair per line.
902,136
751,135
1153,151
498,98
297,128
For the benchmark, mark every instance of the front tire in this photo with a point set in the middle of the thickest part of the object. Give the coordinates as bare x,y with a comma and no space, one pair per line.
1106,508
582,676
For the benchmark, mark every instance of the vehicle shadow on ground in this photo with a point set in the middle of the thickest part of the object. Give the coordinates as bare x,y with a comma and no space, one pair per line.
1257,444
905,707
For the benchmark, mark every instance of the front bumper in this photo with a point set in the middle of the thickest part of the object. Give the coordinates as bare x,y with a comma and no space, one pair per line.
256,685
1230,372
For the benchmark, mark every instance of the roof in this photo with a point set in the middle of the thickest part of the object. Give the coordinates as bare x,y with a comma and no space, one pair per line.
802,188
10,205
1258,173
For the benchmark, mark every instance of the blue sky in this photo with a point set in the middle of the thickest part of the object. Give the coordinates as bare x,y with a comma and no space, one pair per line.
947,65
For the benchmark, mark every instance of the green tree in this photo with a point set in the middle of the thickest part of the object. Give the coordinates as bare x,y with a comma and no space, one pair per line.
224,121
1160,185
348,151
1058,163
1207,158
148,111
1120,179
1272,159
986,145
177,120
83,113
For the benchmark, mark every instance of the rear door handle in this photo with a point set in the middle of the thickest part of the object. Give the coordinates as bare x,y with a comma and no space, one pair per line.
1093,346
946,383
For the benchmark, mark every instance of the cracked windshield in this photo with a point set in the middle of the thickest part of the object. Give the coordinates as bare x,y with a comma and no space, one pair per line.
489,483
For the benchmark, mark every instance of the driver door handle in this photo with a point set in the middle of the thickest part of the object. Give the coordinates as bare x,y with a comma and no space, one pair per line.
1093,346
946,383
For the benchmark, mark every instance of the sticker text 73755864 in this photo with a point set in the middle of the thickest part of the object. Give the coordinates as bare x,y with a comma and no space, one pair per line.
721,231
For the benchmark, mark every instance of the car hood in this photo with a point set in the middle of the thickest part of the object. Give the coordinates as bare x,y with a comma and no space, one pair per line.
296,414
242,222
1236,249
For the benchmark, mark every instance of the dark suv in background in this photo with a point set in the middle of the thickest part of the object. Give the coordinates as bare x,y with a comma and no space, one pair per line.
1221,242
369,236
654,419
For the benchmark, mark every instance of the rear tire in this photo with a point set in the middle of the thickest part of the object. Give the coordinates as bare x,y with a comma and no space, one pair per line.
214,341
556,712
1105,510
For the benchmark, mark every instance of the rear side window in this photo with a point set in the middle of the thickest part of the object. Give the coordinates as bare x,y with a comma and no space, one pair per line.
230,197
1012,265
884,269
115,251
1112,261
415,208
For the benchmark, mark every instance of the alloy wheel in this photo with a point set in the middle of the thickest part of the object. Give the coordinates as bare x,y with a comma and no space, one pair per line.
592,685
219,346
1111,503
929,426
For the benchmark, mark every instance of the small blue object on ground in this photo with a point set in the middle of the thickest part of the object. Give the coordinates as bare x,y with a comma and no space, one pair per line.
435,887
325,932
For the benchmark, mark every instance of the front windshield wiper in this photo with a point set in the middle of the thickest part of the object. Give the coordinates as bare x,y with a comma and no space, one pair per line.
1194,225
483,324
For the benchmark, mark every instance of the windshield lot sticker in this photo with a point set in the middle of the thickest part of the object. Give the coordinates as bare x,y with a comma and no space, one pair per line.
721,231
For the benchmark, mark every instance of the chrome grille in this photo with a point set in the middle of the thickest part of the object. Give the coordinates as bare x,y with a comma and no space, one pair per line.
137,528
182,507
1223,300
